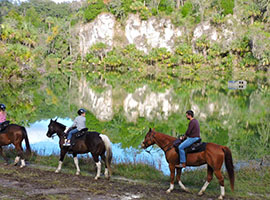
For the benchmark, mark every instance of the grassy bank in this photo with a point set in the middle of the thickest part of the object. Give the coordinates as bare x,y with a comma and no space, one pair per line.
251,182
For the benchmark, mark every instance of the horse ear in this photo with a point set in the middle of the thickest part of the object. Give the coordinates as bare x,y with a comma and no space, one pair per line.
56,119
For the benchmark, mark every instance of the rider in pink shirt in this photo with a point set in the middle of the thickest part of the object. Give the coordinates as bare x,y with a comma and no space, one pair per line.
3,113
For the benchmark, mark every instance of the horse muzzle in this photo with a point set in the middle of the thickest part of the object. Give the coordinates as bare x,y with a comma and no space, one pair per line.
49,134
143,145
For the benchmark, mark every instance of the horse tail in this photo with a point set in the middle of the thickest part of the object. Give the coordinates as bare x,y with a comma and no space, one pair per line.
108,147
27,144
229,165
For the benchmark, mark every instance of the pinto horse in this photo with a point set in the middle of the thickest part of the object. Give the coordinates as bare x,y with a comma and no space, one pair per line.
213,156
94,142
15,134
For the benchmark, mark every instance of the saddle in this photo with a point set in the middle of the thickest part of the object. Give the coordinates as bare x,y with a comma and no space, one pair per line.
4,125
196,147
77,136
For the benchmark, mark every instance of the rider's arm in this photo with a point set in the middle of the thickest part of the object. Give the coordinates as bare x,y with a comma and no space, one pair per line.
189,130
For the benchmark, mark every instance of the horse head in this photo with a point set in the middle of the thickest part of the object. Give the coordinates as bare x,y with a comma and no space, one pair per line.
149,139
51,129
55,127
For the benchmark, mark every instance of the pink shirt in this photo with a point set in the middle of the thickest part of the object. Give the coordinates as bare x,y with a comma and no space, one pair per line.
2,116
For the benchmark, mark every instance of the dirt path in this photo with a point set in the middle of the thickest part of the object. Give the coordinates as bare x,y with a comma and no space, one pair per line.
35,183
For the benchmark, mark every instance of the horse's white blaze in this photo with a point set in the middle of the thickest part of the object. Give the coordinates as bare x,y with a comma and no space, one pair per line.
98,164
76,162
171,188
22,163
17,159
59,167
106,173
203,188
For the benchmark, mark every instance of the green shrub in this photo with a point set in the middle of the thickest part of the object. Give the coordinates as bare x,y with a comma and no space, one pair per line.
186,9
117,9
139,7
227,6
166,6
95,7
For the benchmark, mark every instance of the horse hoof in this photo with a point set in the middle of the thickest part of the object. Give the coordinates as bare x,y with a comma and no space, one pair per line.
77,173
96,178
56,171
200,193
187,190
5,163
220,197
22,166
168,191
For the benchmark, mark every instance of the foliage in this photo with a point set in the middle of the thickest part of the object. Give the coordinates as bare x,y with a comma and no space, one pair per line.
166,6
186,9
139,7
94,8
227,6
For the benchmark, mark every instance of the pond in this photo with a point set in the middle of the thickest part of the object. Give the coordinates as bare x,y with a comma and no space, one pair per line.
238,119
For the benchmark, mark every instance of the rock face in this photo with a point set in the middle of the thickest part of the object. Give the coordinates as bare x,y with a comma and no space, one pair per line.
100,30
144,34
151,33
223,33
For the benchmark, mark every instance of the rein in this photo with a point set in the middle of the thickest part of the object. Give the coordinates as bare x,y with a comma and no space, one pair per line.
163,148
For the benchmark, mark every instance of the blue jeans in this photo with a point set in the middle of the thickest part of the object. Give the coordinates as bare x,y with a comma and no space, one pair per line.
71,133
189,141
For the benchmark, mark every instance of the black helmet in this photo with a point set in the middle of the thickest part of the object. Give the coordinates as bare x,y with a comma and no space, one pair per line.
81,111
2,106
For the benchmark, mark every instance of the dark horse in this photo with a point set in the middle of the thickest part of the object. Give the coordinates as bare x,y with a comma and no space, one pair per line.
14,134
213,156
96,143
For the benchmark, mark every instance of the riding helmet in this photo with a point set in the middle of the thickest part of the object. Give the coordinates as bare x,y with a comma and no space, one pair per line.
2,106
81,111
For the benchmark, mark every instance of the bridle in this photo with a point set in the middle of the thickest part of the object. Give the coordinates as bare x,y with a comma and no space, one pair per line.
57,133
153,139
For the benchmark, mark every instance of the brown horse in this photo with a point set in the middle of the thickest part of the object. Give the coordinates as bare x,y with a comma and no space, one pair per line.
94,142
14,134
213,156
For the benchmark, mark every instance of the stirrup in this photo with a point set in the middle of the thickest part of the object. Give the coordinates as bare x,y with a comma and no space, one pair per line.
66,144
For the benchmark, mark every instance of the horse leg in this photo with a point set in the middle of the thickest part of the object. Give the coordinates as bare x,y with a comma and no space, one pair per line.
60,163
172,170
2,154
178,177
76,162
98,164
209,178
19,150
106,172
221,183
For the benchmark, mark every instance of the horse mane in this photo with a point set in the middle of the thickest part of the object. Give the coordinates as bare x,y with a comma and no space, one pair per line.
165,135
61,125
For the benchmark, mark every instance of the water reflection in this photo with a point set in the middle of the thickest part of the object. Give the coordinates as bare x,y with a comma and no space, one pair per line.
47,146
